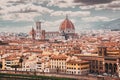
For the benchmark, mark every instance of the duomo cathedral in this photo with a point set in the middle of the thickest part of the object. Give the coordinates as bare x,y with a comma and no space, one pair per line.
66,31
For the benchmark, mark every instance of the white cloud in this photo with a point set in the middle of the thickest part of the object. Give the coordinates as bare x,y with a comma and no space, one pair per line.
23,12
6,2
16,29
86,7
20,16
39,8
73,14
26,16
95,19
26,8
36,1
63,3
53,25
114,5
3,12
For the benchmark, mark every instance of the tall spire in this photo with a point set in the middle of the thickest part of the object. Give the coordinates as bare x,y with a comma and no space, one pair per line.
32,33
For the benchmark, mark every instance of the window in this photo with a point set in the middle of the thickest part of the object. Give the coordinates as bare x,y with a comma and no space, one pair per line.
8,62
74,72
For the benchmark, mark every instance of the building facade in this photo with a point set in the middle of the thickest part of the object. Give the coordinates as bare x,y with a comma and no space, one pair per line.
58,63
106,62
78,67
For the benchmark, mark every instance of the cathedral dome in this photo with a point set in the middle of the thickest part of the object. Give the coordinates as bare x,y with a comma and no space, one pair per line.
67,26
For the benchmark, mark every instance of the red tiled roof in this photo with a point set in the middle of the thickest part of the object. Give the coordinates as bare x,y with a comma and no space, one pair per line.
76,61
59,57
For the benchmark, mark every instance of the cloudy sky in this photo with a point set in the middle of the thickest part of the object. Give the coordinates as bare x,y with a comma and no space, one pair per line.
20,15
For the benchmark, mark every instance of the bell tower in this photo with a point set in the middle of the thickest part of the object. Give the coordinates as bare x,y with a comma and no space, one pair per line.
38,30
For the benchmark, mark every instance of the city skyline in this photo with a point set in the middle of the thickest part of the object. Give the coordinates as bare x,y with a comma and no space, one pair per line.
20,15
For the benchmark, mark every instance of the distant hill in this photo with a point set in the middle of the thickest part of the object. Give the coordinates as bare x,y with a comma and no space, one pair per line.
114,25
